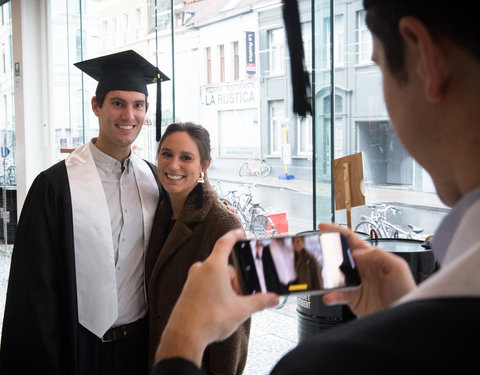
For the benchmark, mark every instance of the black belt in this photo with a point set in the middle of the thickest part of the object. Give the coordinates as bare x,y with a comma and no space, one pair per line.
116,333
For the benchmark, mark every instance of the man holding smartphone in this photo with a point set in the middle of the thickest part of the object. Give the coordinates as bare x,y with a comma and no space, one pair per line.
429,56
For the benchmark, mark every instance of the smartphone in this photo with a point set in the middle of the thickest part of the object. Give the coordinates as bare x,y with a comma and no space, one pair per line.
313,262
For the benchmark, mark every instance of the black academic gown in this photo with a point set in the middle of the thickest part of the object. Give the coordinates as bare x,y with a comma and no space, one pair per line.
272,280
40,329
249,276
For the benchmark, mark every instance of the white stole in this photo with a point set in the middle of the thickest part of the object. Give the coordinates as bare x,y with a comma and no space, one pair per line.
92,233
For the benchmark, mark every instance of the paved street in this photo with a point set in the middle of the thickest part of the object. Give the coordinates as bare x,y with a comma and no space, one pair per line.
273,334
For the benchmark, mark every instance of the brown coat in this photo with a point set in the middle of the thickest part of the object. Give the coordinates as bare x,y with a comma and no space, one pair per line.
168,259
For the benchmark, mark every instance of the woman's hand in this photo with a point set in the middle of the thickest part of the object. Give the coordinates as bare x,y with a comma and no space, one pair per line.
385,276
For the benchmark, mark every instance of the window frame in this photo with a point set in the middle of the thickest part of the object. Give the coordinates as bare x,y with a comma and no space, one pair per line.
208,58
221,59
275,125
276,51
364,40
236,61
304,131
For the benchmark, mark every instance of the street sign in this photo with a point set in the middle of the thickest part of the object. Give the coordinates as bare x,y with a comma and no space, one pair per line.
250,44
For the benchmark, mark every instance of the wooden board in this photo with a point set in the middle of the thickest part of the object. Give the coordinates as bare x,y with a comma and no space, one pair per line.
355,175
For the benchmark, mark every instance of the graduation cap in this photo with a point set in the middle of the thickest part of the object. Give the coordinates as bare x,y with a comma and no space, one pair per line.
126,71
300,77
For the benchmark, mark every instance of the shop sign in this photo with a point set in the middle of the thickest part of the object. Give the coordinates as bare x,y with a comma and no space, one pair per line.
250,44
230,95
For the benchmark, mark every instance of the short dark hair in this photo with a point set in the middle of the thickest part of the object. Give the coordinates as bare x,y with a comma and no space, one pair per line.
457,22
100,98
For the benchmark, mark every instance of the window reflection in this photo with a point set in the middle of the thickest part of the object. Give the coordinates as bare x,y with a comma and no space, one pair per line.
236,82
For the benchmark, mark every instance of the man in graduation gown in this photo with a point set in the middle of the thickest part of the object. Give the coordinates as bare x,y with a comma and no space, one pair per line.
429,57
75,301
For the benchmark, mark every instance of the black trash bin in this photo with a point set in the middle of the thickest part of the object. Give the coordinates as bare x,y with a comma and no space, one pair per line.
418,255
314,317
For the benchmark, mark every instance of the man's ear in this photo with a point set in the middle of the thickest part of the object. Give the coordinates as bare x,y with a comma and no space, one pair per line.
429,59
95,105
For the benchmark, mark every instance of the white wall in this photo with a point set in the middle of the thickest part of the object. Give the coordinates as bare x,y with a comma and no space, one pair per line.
32,100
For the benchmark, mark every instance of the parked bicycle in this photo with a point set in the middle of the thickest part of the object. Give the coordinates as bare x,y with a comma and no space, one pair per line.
252,215
11,179
377,224
218,187
259,168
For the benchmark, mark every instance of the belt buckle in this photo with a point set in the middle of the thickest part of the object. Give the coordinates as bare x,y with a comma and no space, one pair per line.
124,333
103,339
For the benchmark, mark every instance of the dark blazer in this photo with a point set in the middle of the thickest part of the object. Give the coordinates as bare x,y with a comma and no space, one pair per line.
169,257
437,336
248,275
272,281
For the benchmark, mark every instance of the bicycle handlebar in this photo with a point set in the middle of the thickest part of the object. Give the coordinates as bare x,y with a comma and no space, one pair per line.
383,208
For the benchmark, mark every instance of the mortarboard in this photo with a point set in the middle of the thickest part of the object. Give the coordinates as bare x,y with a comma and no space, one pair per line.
127,71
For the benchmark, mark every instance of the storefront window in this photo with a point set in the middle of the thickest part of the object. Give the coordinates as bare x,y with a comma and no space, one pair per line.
8,180
361,124
230,72
8,170
87,29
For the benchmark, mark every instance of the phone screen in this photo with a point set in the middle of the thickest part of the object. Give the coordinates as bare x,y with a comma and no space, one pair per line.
313,262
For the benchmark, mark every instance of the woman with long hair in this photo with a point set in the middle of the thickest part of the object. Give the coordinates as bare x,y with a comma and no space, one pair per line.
189,220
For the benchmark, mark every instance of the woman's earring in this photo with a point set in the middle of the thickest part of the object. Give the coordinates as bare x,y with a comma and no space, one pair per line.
201,179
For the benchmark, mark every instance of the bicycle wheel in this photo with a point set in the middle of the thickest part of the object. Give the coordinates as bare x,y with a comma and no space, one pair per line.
243,171
259,225
270,227
263,170
365,227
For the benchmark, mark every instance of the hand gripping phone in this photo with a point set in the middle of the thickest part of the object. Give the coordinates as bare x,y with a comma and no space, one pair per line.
313,262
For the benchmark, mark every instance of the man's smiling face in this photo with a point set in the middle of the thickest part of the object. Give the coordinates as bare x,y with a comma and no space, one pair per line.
120,120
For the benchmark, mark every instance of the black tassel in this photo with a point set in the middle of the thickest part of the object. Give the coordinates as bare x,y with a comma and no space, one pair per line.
158,116
300,77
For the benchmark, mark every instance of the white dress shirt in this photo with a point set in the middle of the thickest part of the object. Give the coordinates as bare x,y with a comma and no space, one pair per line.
96,256
125,209
284,259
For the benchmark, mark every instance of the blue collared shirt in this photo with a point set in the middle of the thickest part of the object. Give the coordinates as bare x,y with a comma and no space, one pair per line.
448,226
